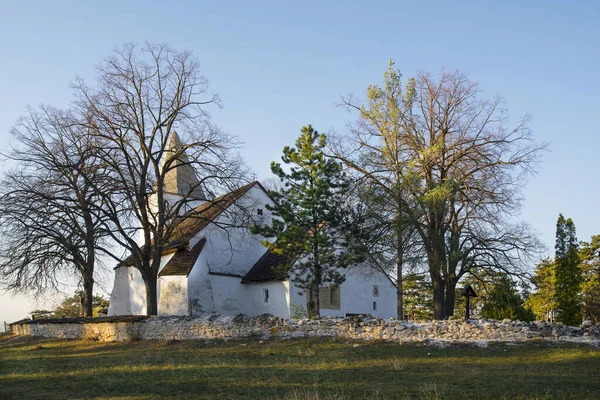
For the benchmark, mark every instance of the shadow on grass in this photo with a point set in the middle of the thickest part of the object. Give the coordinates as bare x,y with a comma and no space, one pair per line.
316,369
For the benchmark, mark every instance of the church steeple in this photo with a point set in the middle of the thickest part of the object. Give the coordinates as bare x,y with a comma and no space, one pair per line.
181,179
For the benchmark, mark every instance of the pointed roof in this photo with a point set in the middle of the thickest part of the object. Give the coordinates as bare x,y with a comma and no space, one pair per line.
264,269
190,224
183,260
181,179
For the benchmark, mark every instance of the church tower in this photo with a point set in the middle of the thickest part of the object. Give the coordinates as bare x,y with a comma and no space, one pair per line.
181,179
181,184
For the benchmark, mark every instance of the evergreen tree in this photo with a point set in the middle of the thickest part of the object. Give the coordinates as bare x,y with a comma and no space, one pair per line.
418,299
568,273
543,301
504,301
315,230
590,268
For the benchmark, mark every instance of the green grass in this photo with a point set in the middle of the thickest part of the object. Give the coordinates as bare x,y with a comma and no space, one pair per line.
33,368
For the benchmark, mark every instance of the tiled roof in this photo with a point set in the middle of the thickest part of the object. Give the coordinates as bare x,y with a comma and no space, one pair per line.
183,260
190,224
264,269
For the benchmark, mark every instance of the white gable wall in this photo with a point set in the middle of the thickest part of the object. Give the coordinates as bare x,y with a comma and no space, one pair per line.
236,250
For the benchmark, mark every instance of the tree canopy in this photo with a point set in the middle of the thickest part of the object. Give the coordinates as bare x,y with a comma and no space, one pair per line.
453,171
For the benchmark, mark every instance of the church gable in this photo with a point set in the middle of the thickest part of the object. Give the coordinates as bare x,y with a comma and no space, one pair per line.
183,261
231,248
264,269
190,224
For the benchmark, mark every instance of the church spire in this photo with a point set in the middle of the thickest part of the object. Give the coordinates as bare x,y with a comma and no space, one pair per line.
181,179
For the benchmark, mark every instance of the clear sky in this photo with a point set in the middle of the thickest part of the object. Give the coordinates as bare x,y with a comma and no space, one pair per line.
279,66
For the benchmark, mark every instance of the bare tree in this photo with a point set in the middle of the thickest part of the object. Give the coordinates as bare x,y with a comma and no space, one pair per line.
143,96
47,222
468,171
460,170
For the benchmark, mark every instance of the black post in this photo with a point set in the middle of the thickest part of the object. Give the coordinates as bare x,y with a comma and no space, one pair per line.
468,310
467,293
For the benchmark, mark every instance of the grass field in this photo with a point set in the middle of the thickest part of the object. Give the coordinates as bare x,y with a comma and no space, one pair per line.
32,368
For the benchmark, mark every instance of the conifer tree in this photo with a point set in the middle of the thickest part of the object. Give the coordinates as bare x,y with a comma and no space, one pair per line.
504,301
590,269
313,225
543,301
568,273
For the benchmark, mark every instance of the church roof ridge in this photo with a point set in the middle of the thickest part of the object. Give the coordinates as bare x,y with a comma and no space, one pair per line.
191,223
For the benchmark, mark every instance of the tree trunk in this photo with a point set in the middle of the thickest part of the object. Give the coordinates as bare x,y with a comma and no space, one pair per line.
399,301
436,260
88,296
438,297
450,297
316,301
151,298
399,293
313,306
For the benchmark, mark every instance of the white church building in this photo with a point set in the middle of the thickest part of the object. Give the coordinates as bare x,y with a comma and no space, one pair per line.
221,268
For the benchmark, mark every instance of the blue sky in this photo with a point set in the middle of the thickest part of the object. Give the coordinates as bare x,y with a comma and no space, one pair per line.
278,66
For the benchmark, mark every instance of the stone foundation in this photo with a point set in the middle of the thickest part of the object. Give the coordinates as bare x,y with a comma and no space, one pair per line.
267,326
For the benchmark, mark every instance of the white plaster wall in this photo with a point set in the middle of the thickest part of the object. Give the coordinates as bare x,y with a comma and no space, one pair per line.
236,250
200,293
279,298
119,296
128,296
227,294
137,291
173,298
356,295
297,299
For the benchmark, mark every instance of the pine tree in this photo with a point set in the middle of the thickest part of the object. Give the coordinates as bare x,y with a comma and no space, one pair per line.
418,299
568,273
504,301
314,228
590,268
543,301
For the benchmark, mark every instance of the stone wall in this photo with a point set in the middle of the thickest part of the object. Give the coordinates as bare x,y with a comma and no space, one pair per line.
267,326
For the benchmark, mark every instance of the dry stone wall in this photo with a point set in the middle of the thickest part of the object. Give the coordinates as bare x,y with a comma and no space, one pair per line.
267,326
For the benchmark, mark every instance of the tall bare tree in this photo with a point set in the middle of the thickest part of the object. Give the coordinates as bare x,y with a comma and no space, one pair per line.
468,170
47,220
145,100
456,171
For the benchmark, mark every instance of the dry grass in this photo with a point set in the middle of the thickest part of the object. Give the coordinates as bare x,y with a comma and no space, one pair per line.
321,369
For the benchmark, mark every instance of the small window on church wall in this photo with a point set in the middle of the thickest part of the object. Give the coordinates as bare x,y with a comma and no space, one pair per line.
375,291
374,306
131,276
266,295
259,211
